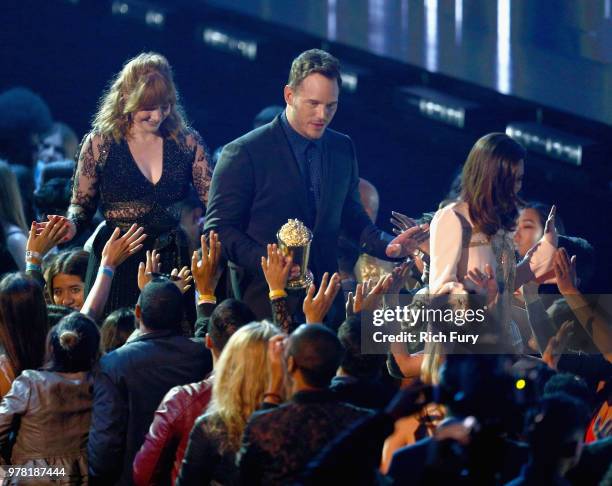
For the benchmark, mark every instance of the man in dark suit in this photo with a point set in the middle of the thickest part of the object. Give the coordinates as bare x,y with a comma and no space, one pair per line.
293,167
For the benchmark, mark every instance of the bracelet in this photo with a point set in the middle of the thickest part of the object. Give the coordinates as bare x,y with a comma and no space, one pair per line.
106,270
31,266
277,294
207,299
33,255
273,395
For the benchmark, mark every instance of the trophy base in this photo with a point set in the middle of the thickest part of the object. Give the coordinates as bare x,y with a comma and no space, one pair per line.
302,282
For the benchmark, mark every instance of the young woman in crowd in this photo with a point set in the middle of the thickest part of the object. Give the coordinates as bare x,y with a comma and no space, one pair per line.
241,380
53,406
139,132
65,277
23,327
116,329
471,239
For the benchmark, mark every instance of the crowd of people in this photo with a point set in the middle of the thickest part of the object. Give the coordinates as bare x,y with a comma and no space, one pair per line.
152,331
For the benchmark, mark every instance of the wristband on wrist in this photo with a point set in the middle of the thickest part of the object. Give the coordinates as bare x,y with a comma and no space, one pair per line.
33,255
277,294
31,266
106,270
207,299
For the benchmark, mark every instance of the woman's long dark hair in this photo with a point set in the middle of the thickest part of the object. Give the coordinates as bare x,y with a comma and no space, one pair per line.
489,177
23,321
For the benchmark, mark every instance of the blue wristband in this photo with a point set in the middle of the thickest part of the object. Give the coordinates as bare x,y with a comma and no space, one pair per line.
33,267
109,271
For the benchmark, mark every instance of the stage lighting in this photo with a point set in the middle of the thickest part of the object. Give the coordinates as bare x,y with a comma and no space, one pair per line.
230,40
437,105
553,143
142,11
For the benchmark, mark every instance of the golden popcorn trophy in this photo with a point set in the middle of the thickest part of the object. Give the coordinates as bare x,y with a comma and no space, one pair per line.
294,239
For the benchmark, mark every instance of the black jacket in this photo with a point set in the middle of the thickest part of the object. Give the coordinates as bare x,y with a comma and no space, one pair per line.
257,186
128,387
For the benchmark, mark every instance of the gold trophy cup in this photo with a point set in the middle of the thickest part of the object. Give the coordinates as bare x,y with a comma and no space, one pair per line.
294,239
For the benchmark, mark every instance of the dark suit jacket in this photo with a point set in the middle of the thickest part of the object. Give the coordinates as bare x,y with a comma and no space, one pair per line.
129,385
257,186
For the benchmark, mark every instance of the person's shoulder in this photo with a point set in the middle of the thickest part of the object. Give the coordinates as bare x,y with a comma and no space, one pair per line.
450,213
264,417
352,410
187,394
262,134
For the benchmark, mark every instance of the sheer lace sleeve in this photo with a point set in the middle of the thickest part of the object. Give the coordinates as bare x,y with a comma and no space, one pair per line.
84,200
201,172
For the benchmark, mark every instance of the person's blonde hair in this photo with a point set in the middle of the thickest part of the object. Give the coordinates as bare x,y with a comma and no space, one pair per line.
144,82
11,205
241,377
432,360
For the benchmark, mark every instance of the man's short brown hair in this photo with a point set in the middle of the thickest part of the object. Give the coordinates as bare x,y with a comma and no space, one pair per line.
314,61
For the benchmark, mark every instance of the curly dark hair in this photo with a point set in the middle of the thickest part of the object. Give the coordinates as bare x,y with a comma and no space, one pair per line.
23,115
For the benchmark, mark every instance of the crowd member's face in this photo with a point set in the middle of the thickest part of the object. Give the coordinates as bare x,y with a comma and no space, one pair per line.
529,230
312,105
149,120
68,290
51,148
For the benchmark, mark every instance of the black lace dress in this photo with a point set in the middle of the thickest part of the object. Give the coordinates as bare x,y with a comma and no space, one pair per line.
107,175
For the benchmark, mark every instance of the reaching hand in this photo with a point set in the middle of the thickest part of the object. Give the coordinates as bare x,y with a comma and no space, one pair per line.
70,233
368,296
117,249
399,275
146,270
550,231
557,345
204,270
401,222
315,307
483,283
182,278
276,268
49,236
408,241
276,361
565,272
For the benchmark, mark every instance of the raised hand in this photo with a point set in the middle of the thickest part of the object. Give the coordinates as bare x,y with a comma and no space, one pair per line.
368,296
565,272
483,283
41,241
204,269
557,345
315,307
118,248
71,228
399,275
401,222
275,390
550,231
276,268
182,278
146,270
408,241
